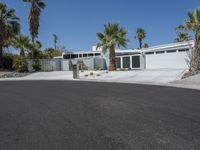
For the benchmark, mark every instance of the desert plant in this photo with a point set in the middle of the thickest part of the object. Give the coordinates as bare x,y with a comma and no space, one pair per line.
8,61
82,66
22,43
9,27
113,36
193,24
36,65
20,64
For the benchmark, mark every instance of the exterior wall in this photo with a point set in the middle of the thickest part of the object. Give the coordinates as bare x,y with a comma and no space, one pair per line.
97,63
167,60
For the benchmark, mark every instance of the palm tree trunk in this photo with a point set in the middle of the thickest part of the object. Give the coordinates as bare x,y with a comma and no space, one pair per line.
197,52
32,51
140,41
112,66
22,54
1,57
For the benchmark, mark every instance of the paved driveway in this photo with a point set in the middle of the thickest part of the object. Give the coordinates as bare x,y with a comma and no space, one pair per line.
56,115
132,76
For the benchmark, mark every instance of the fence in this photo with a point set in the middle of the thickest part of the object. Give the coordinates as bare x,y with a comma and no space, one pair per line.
96,63
46,64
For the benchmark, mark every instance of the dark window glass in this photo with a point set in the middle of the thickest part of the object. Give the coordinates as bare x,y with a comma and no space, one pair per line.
183,50
90,54
84,55
67,56
74,56
126,62
80,55
118,62
171,51
149,53
136,61
160,52
97,54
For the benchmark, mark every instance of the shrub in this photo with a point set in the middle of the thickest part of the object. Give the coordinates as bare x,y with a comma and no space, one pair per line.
8,61
82,65
36,65
20,64
91,73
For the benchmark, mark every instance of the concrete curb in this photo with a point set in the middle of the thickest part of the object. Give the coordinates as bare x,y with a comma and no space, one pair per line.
194,87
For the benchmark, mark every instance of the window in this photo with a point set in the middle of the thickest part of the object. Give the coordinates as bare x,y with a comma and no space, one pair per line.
74,56
97,54
90,54
183,50
118,62
160,52
136,61
149,53
126,62
171,51
80,55
84,55
67,56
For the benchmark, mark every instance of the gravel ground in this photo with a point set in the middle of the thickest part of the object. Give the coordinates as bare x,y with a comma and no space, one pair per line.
14,75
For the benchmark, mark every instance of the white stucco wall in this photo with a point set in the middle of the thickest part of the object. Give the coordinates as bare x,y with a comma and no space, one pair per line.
167,60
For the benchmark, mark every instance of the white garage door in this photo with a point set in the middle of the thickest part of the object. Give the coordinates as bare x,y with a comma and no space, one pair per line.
169,60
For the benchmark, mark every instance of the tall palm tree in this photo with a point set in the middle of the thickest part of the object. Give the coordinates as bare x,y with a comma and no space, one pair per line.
193,24
140,35
112,37
34,18
9,27
22,43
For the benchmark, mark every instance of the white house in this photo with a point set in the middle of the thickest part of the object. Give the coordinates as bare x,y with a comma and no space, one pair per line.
168,56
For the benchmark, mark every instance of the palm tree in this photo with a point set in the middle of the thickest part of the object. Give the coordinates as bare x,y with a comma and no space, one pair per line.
112,37
55,41
22,43
146,45
193,24
9,27
182,37
34,18
140,35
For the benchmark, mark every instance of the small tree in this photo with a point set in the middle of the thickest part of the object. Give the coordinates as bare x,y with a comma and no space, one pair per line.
20,64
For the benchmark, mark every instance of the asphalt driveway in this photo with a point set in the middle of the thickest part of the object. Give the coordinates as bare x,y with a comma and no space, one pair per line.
67,115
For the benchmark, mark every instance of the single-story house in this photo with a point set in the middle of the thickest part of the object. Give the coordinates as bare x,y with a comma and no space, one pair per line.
167,56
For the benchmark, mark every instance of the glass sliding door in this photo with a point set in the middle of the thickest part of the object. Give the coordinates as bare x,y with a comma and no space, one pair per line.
135,62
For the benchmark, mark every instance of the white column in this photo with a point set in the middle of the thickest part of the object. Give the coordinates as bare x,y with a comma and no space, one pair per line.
131,62
121,61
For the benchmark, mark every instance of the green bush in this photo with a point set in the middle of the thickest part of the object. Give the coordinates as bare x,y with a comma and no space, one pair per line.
20,64
36,65
8,61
